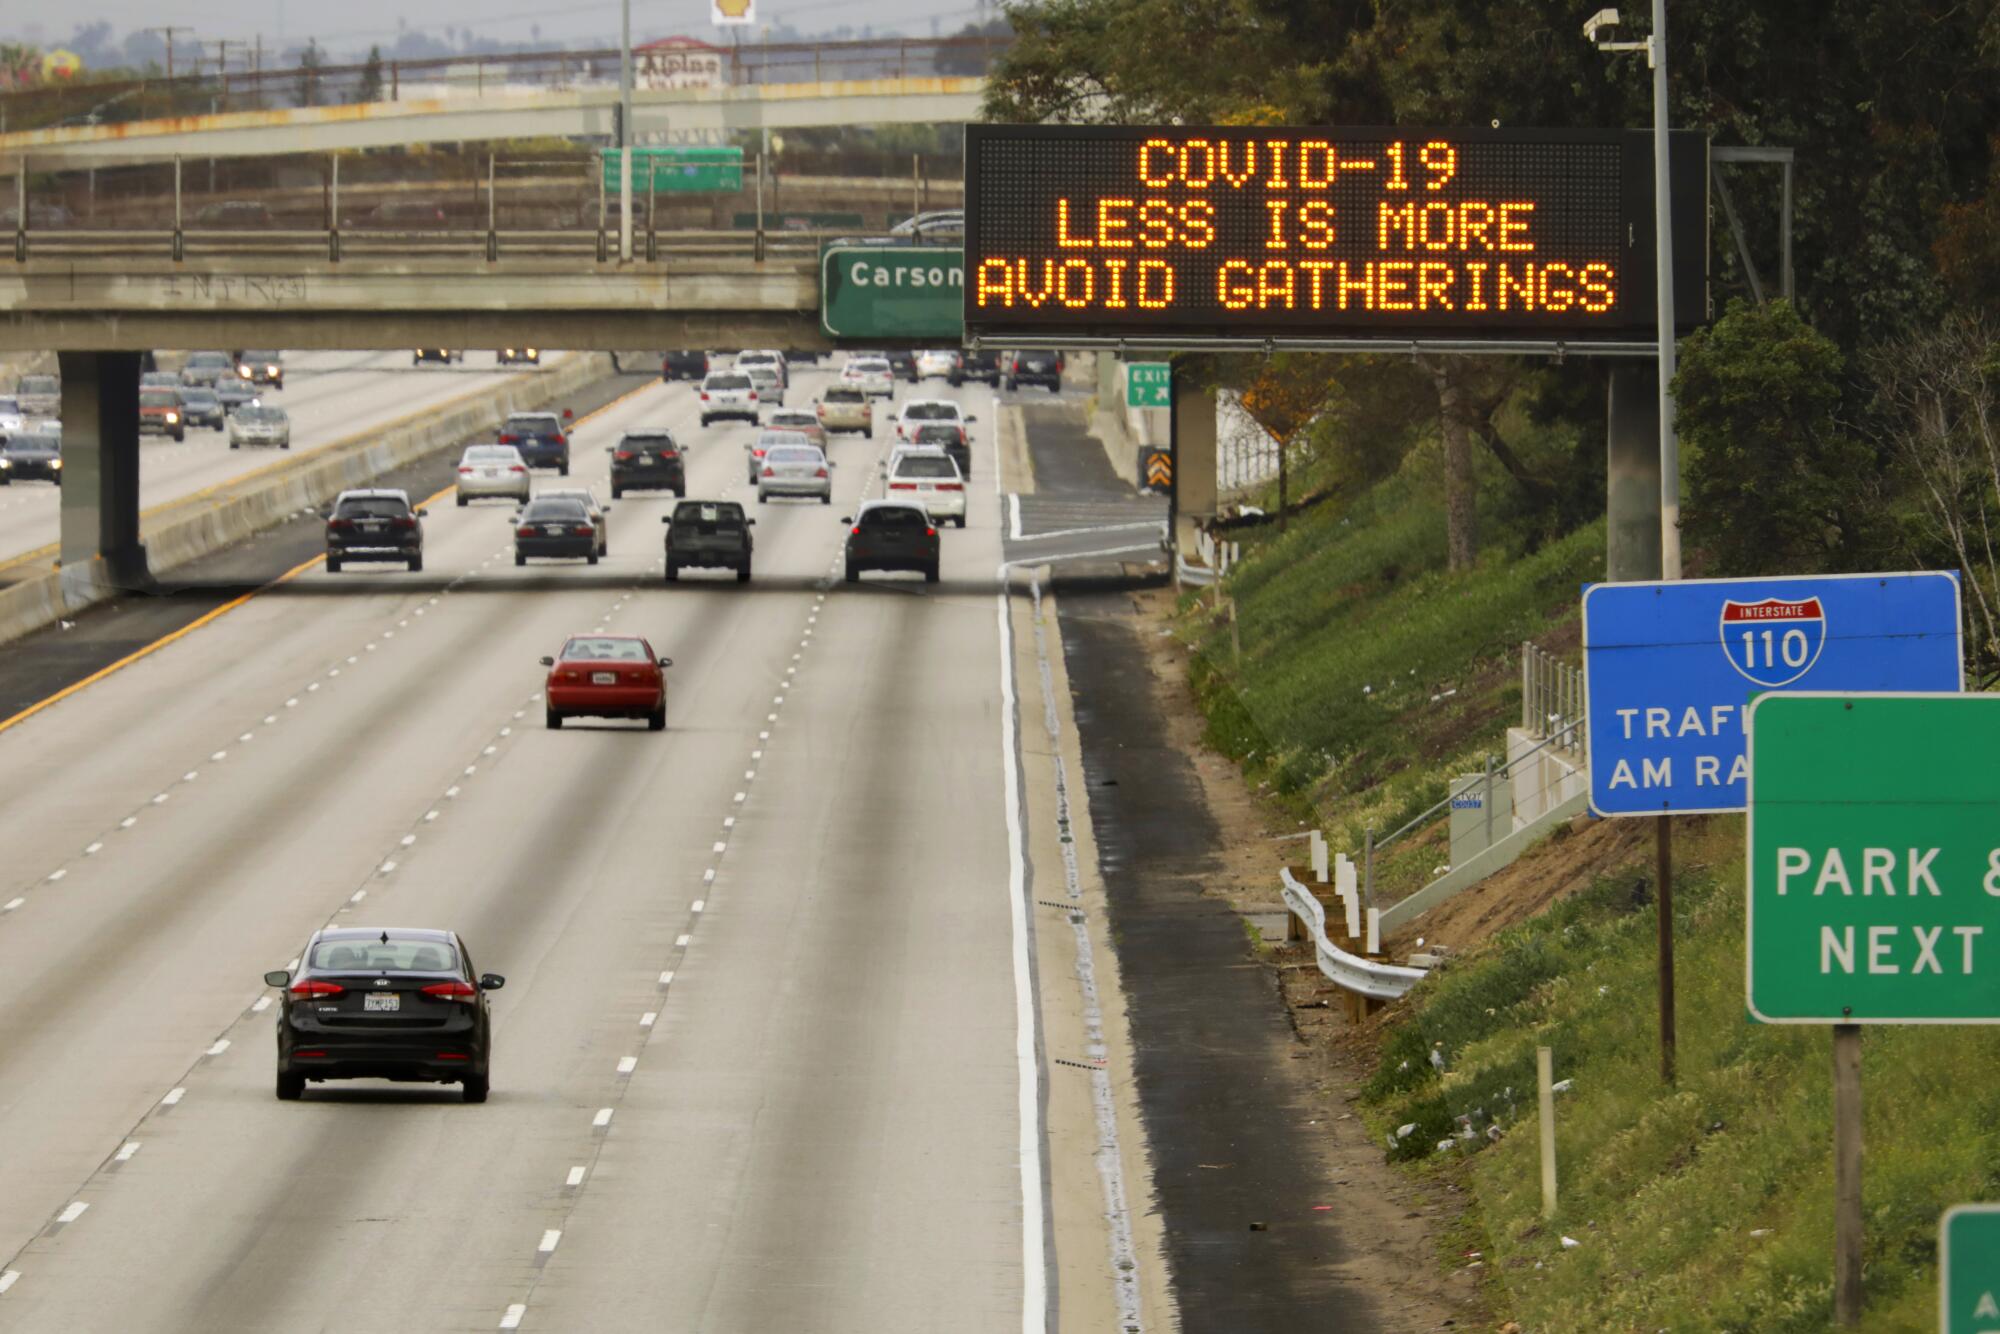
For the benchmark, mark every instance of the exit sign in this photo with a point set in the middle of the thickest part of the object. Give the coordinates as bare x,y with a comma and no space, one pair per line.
1969,1269
1149,384
1874,859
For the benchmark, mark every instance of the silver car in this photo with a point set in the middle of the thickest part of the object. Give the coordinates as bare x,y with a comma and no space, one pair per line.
795,470
492,470
770,384
765,442
256,425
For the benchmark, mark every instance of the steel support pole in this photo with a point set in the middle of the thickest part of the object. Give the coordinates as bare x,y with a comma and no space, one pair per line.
1847,1220
1663,264
1663,851
625,131
180,243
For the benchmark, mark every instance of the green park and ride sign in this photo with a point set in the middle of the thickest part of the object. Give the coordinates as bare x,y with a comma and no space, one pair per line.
893,292
1874,859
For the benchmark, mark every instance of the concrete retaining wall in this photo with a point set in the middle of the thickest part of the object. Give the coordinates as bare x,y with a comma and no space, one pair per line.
208,521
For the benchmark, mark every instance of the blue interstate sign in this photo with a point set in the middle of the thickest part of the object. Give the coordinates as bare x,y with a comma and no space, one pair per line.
1670,669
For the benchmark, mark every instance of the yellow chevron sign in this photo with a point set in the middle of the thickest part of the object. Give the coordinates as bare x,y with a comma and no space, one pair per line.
1159,470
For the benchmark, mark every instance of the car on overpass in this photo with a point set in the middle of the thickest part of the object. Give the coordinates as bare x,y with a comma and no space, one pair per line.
399,1003
554,529
510,356
648,460
708,534
39,395
376,524
892,535
684,364
259,425
160,412
265,366
540,437
945,226
443,355
492,470
205,368
606,676
28,455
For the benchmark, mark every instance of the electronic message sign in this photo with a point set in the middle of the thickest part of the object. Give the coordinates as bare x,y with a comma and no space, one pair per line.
1171,231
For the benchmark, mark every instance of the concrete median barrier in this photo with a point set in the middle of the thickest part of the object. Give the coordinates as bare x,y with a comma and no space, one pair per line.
194,526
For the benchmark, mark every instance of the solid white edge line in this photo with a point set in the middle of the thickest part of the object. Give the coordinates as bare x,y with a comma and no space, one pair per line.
1034,1294
1014,516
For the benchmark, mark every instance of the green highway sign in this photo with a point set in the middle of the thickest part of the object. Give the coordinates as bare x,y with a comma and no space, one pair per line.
892,291
677,168
1969,1270
1874,859
1149,384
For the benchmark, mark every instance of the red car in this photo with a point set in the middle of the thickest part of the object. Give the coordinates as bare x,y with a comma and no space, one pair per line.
607,676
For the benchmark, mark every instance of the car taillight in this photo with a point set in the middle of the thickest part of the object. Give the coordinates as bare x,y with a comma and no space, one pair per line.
819,472
950,486
304,989
464,471
770,472
507,438
930,532
753,395
856,530
463,992
626,456
339,525
517,467
524,532
405,523
669,455
704,396
584,530
902,486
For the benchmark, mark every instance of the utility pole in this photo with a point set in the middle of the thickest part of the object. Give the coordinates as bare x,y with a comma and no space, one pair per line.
168,33
625,132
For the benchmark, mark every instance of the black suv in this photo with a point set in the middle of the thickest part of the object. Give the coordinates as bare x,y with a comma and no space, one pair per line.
903,364
374,525
647,461
708,533
976,366
684,365
892,535
540,437
1026,368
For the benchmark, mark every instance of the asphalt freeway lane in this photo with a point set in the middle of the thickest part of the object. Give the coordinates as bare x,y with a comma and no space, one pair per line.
755,1062
329,395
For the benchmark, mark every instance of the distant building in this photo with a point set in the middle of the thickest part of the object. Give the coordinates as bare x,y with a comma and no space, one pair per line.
679,62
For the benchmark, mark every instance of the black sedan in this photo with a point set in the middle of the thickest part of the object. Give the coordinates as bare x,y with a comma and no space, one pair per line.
27,456
892,535
684,364
402,1004
648,460
554,527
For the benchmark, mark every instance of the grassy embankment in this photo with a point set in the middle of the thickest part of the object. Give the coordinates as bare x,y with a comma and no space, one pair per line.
1705,1207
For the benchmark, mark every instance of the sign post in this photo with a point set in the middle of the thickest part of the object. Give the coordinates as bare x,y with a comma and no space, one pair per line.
1969,1269
1873,860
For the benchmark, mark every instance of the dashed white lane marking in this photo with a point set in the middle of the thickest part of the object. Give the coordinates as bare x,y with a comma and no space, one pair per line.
647,1019
429,816
125,1151
489,750
451,791
262,1004
575,1178
627,1064
9,1279
190,776
357,896
779,700
681,942
408,839
270,718
770,717
73,1212
667,978
698,905
549,1240
512,1320
309,689
729,822
244,737
219,756
220,1046
508,731
387,867
471,769
756,754
162,797
128,822
602,1119
58,873
763,736
707,878
720,847
741,795
12,904
292,703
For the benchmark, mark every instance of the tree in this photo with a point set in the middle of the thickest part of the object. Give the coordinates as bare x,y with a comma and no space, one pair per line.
1940,398
310,62
1771,479
371,77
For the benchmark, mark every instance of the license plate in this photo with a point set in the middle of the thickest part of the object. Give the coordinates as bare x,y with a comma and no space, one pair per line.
371,527
381,1000
604,678
552,529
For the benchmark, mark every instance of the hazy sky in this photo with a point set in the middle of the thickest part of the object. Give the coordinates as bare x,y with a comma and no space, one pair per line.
349,22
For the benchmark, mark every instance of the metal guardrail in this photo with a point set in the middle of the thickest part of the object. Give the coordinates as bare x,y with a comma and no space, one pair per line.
1350,972
335,244
1552,701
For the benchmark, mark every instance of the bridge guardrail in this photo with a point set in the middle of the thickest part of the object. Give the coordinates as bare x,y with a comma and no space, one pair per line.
338,244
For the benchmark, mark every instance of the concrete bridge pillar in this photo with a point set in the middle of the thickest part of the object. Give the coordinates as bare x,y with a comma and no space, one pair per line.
1194,434
100,499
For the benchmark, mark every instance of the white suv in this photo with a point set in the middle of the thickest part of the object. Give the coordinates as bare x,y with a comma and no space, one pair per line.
929,477
765,356
728,394
927,411
871,375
